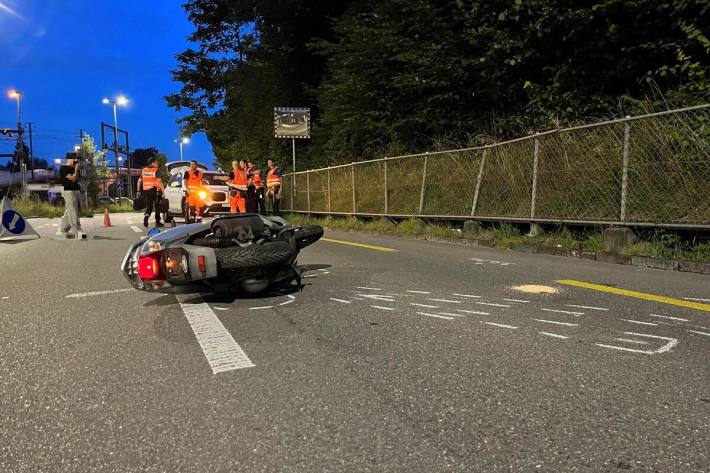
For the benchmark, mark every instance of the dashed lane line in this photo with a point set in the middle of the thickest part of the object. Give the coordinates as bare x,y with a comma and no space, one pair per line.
223,353
566,324
290,301
342,301
262,307
569,312
381,307
418,292
500,325
516,300
492,304
475,312
450,314
553,335
669,317
699,333
636,294
426,306
628,340
586,307
368,288
434,315
448,301
639,322
97,293
470,296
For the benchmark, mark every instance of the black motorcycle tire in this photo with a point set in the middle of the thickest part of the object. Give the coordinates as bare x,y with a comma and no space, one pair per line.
307,235
254,256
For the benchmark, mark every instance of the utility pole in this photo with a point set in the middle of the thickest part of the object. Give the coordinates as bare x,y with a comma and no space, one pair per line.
32,153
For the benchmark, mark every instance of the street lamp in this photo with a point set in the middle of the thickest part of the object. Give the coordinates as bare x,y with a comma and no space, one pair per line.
15,94
182,141
119,101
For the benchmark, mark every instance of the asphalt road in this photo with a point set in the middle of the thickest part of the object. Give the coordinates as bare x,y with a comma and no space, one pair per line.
422,359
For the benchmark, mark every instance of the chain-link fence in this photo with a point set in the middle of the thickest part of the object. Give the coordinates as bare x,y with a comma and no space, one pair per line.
647,170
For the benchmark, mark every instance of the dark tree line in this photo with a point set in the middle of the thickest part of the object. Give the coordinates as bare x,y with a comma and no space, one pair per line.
388,76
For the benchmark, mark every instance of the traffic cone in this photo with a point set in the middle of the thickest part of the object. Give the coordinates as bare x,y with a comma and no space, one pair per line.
107,219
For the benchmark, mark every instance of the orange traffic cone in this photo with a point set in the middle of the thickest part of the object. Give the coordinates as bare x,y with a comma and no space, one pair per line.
107,219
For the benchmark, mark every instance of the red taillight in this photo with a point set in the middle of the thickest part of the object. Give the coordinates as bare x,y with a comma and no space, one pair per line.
201,264
149,268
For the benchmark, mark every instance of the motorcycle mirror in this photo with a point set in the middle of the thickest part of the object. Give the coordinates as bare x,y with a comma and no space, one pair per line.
153,231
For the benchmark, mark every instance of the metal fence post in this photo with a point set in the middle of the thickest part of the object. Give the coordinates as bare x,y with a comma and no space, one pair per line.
625,171
308,190
421,194
385,186
352,174
533,197
329,209
478,182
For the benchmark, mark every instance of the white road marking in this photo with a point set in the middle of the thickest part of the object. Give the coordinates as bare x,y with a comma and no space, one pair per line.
55,224
499,325
427,306
292,297
470,296
563,312
5,297
287,302
356,298
668,317
553,335
451,315
136,229
223,353
220,308
492,304
672,342
377,298
310,276
639,322
381,307
262,307
696,299
419,292
368,288
340,300
586,307
98,293
444,300
628,340
476,312
515,300
557,323
434,315
699,333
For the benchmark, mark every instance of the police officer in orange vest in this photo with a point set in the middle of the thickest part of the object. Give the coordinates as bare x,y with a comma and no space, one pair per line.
193,181
258,183
151,186
273,185
239,184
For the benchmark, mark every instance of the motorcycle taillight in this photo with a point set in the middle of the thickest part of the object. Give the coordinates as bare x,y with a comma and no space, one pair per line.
150,268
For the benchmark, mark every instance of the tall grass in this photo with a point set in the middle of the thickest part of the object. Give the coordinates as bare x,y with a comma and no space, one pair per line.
35,208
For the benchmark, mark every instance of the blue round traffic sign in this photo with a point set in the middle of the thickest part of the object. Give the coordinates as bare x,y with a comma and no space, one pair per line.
13,222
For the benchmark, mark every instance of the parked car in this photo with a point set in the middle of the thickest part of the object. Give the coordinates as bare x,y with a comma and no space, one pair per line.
216,198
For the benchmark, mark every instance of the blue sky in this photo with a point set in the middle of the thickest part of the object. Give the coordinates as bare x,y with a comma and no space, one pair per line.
66,55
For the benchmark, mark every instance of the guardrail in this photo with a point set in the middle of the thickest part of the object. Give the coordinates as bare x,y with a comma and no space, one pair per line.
648,170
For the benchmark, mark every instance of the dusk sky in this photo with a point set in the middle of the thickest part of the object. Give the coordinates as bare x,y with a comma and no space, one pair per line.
66,55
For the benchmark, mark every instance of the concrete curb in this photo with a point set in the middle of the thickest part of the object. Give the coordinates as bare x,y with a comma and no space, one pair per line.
699,267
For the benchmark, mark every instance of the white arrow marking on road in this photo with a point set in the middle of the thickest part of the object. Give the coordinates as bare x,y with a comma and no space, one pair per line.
98,293
223,353
668,317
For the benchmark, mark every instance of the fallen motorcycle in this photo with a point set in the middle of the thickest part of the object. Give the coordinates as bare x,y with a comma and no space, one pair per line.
247,252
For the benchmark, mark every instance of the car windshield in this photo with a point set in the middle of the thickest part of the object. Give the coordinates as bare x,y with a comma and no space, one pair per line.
214,179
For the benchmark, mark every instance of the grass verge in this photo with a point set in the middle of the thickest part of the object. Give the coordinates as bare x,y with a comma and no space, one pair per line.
30,208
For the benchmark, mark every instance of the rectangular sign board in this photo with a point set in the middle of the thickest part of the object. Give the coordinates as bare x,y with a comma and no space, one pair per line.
292,122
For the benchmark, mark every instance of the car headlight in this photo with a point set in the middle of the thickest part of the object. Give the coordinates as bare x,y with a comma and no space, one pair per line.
202,194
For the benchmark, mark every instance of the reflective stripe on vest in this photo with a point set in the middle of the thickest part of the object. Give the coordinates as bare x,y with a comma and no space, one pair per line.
150,178
272,179
194,180
240,180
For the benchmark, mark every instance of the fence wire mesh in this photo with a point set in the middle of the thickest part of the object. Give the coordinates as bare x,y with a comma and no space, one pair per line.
649,170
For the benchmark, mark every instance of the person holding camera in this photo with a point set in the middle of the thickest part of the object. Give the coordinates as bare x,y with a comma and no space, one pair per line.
69,176
151,186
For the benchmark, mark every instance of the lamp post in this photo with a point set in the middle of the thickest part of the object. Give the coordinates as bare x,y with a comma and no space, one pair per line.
119,101
17,95
182,141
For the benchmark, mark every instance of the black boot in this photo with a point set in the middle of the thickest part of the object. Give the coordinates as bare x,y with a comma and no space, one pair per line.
145,221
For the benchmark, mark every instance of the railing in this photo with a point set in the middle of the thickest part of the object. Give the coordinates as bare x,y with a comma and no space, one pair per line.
649,170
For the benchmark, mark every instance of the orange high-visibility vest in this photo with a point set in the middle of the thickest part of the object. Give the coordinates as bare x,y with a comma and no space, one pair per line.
240,180
272,179
150,178
256,179
194,179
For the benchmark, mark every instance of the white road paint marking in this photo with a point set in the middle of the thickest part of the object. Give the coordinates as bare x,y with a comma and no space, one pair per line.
343,301
500,325
698,299
310,276
515,300
449,301
470,296
672,342
668,317
700,333
419,292
356,298
553,335
481,261
586,307
223,353
262,307
450,314
368,288
98,293
5,297
220,308
492,304
476,312
426,306
136,229
564,312
628,340
381,307
55,224
323,270
639,322
566,324
290,301
377,298
292,297
434,315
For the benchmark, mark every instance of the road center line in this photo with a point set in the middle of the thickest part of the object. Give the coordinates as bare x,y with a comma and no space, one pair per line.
557,323
500,325
359,245
223,353
553,335
637,295
668,317
98,293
